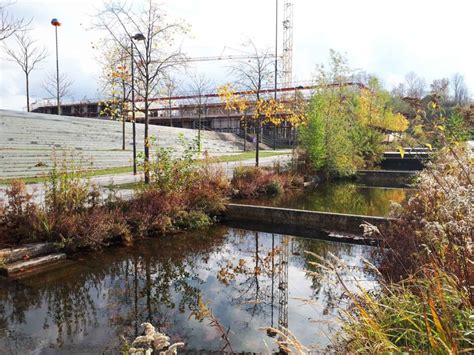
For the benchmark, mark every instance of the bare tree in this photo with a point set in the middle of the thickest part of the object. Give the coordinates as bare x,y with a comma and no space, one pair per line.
9,25
399,90
199,86
415,85
460,91
27,55
170,88
50,86
152,39
255,74
440,88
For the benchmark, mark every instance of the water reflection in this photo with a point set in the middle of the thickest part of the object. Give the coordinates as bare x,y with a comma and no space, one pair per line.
247,279
341,197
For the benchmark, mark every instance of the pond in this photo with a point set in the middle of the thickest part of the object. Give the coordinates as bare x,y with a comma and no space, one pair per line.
85,306
340,197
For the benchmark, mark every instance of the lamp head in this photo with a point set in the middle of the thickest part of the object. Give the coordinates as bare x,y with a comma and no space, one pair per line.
55,22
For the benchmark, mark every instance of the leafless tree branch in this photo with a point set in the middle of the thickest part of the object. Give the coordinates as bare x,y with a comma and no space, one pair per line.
27,55
9,25
65,85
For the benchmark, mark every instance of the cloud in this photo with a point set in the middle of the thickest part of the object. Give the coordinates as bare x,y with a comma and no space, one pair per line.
388,38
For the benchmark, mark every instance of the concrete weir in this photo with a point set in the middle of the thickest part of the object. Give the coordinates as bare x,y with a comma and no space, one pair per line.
292,218
388,178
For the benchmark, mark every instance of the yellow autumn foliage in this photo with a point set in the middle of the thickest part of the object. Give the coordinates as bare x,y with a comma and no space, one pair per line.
373,111
232,100
267,110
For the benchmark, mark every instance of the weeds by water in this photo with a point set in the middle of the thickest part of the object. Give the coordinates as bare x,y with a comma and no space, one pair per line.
423,300
251,182
76,214
435,226
426,312
204,312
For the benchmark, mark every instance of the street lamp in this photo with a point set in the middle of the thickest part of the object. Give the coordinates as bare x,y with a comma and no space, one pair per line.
137,37
276,69
56,24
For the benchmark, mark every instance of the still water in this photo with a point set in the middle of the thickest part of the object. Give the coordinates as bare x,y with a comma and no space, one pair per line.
340,197
88,304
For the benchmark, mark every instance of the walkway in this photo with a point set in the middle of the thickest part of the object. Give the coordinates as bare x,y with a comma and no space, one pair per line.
128,178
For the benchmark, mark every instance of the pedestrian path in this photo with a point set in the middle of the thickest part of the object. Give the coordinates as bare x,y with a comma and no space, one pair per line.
105,181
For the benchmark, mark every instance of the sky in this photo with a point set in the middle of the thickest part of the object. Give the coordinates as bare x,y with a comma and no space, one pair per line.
388,38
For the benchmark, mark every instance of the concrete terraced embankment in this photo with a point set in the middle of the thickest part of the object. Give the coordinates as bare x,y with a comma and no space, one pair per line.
28,259
27,141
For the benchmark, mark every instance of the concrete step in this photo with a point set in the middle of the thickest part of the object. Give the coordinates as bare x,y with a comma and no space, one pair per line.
10,255
46,274
37,173
27,139
27,265
11,166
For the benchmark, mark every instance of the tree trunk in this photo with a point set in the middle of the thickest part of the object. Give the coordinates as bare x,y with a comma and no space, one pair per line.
123,114
257,147
148,290
199,130
171,117
245,132
147,143
27,93
136,297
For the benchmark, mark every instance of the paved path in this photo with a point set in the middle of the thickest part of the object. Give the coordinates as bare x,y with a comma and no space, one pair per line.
119,179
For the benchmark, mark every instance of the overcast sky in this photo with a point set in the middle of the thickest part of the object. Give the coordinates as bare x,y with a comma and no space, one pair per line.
388,38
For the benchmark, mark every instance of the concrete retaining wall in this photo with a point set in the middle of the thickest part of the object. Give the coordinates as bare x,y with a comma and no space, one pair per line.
387,178
286,217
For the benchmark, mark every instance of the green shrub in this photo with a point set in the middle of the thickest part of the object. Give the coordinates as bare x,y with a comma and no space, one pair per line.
168,172
346,124
68,188
191,220
326,137
273,188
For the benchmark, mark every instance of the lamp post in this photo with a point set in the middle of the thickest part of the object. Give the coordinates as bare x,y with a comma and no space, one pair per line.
56,24
276,68
137,37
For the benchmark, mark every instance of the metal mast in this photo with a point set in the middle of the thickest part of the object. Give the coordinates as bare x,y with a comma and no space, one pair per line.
283,284
287,43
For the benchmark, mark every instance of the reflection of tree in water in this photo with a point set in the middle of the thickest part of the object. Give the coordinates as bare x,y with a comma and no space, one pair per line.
343,197
139,284
253,277
69,304
160,281
147,291
324,284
